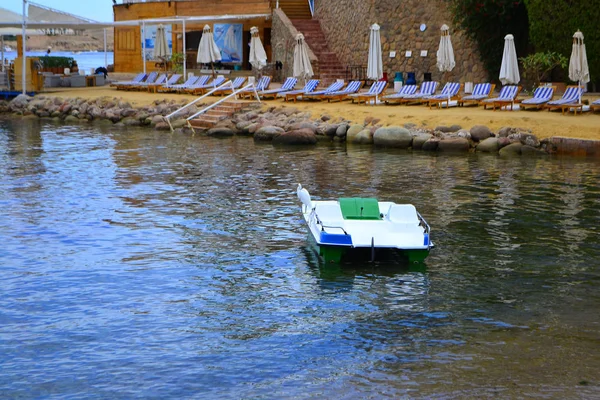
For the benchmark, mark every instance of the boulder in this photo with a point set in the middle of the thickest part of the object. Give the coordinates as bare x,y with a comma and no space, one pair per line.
532,151
267,133
528,139
431,144
511,149
454,145
489,145
448,129
162,126
179,123
220,131
365,136
393,136
296,137
419,140
353,130
156,119
71,119
480,132
20,101
341,130
129,121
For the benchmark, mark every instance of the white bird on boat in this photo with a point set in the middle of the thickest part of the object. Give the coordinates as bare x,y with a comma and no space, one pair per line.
304,197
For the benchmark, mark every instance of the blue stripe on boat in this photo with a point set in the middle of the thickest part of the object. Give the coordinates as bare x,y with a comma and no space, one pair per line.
335,239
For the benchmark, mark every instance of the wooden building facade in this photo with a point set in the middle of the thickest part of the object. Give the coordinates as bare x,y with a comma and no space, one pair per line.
128,45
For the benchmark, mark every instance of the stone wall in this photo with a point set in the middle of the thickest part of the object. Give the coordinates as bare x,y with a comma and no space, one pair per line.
283,34
346,25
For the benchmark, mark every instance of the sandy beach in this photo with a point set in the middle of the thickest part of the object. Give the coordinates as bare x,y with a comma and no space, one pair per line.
542,123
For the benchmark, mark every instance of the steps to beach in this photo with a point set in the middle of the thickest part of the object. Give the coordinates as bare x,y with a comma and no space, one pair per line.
223,111
330,68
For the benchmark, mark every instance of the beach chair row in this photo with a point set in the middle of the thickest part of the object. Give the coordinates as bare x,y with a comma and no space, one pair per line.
542,98
507,98
169,84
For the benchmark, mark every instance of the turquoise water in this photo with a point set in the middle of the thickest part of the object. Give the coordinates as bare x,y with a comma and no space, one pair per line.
138,264
86,60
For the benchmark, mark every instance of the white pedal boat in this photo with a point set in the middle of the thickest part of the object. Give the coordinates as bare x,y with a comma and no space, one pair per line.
338,226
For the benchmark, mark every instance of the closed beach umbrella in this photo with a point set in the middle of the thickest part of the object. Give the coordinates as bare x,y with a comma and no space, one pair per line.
578,64
509,70
258,56
374,62
161,48
208,52
445,53
302,67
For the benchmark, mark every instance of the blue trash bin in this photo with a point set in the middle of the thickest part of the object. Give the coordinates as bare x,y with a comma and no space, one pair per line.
410,78
399,77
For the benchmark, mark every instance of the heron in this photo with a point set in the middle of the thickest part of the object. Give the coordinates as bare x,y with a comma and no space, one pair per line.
304,197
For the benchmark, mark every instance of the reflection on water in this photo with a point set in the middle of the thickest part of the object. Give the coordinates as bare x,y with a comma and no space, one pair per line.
144,264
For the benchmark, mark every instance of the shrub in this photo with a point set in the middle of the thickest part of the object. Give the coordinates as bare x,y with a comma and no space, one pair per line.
538,66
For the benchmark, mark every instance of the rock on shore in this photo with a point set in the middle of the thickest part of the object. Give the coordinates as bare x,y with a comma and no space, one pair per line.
286,126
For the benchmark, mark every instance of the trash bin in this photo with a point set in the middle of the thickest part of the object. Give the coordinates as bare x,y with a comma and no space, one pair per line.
427,77
410,78
384,78
399,77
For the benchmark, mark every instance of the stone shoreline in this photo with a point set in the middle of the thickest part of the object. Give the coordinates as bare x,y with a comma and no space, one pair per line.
289,126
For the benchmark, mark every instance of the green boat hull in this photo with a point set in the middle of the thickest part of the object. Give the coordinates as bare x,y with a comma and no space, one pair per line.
334,254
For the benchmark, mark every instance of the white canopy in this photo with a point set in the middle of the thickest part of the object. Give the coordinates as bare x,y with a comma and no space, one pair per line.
509,70
374,62
302,67
445,53
258,56
578,64
208,51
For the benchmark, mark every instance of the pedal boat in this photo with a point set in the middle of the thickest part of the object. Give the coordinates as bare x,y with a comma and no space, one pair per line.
340,226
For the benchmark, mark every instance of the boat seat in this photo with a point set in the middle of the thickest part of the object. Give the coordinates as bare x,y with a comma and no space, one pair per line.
403,214
359,208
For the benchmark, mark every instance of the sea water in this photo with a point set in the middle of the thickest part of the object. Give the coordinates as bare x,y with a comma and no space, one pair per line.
139,264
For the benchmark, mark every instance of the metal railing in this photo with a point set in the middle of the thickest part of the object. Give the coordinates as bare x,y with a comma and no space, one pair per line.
311,4
168,117
234,92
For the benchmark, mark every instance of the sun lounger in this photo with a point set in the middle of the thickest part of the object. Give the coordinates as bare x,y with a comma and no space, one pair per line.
595,105
449,92
200,82
138,78
569,98
481,91
541,96
152,77
403,92
310,86
427,89
173,88
262,84
288,85
351,88
201,89
374,92
171,81
508,94
334,87
237,83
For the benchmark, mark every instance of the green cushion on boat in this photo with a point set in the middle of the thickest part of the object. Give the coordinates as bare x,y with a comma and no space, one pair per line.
359,208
